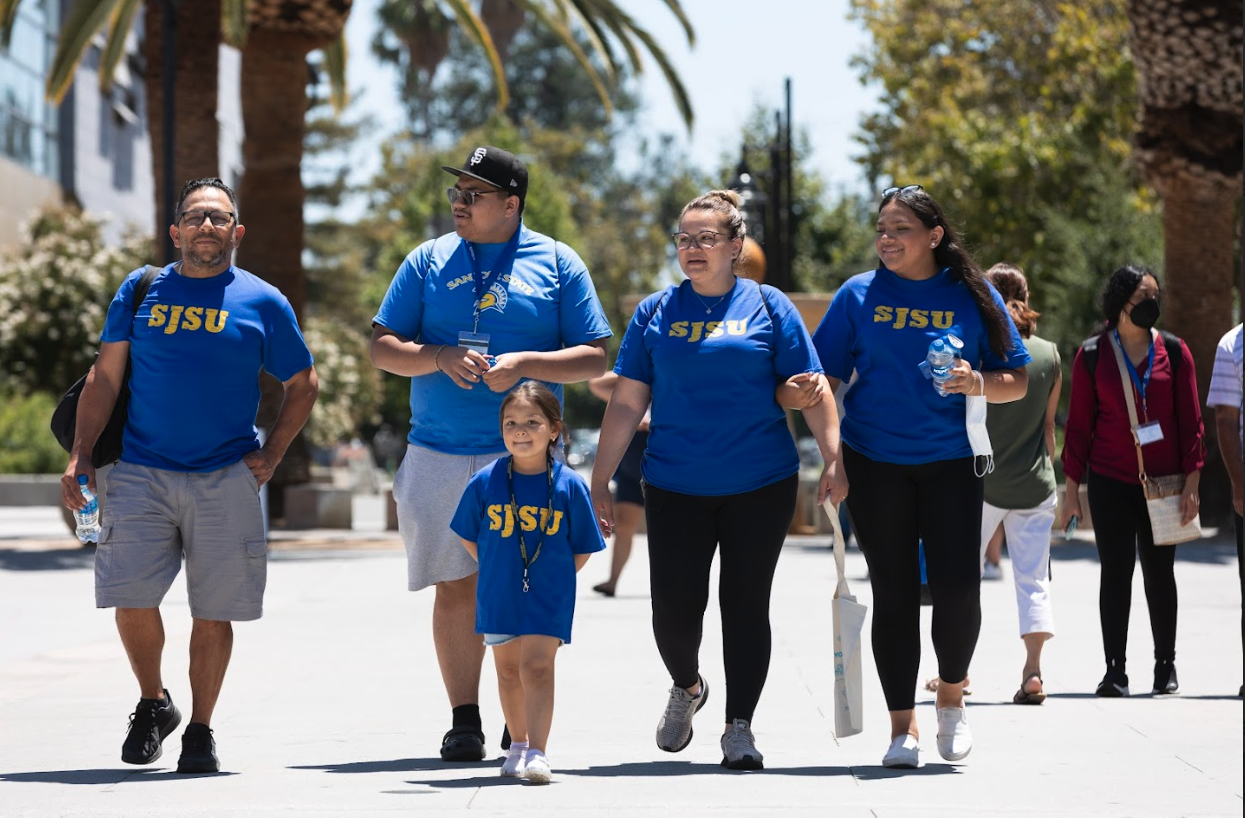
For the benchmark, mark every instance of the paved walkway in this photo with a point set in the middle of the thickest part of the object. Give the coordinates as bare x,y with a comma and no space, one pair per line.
334,706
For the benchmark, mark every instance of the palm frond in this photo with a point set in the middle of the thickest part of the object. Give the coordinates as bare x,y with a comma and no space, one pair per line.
681,100
119,26
677,10
560,28
474,28
568,11
335,54
8,14
85,19
613,17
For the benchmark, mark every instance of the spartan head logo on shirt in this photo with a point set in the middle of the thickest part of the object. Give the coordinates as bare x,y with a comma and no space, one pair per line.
495,298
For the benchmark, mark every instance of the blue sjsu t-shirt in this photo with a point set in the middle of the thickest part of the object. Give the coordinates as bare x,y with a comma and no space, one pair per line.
880,325
716,428
545,301
197,346
484,516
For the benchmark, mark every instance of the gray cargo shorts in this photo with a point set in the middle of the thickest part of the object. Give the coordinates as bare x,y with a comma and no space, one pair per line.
153,518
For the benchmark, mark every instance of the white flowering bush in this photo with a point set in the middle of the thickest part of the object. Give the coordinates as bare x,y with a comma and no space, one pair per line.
350,391
55,287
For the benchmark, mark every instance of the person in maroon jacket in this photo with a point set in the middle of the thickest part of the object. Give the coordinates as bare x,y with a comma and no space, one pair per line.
1099,441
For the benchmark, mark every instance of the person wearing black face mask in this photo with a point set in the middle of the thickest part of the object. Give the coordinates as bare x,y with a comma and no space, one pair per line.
1099,446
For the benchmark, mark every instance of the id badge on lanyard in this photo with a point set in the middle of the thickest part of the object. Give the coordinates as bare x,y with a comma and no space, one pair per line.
479,341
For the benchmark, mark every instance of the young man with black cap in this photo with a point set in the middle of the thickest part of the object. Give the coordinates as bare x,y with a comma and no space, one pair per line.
467,317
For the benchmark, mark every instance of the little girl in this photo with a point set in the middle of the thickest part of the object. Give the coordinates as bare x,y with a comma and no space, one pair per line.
528,520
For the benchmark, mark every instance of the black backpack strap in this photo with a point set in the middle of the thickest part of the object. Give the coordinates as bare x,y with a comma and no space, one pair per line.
1174,353
1171,343
1089,354
150,272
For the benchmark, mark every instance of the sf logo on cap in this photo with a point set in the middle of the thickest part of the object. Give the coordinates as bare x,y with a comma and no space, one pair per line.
478,156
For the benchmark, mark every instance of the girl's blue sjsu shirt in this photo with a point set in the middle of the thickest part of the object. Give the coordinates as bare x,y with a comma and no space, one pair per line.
880,325
484,517
716,428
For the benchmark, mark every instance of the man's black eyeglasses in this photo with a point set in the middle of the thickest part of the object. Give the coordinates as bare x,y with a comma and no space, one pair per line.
468,197
219,218
904,189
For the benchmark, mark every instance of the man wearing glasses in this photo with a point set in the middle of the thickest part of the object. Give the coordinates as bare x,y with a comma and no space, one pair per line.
188,480
467,317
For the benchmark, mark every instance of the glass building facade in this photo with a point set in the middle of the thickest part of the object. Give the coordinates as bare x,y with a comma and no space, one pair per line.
28,123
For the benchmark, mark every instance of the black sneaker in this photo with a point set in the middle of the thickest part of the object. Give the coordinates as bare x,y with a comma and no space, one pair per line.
1165,682
505,737
198,750
150,724
1114,685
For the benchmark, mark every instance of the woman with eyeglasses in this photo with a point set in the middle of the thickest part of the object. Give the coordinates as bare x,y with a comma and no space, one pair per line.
721,470
907,449
1100,447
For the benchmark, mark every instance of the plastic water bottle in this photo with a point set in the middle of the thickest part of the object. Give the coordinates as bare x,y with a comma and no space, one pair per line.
88,517
941,357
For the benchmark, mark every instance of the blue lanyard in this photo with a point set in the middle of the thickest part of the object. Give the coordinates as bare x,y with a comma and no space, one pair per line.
478,278
1140,382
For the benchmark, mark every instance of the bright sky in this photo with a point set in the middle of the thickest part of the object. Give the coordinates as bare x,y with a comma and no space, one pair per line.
741,58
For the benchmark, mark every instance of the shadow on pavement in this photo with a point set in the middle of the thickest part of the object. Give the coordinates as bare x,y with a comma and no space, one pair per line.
400,765
97,777
880,773
53,560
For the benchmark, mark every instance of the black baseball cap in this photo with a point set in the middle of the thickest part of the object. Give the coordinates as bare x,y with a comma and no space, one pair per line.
497,167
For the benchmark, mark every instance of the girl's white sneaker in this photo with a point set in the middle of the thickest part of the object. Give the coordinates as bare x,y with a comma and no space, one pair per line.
538,770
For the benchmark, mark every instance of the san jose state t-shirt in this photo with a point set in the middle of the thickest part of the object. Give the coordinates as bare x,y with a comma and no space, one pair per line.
880,325
544,302
197,346
716,428
485,517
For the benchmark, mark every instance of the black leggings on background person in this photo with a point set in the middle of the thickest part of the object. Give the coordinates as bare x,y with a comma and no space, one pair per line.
1122,531
684,531
892,507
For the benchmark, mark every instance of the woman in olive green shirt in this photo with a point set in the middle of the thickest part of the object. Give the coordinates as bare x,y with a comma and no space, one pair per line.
1020,492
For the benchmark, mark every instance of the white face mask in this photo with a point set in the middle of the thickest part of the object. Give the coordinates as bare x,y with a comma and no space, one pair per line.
978,436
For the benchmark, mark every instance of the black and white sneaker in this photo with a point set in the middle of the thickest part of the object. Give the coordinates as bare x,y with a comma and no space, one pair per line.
198,750
150,724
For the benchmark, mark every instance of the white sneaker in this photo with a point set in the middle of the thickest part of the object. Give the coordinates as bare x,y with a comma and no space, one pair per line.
515,763
955,740
904,753
992,571
537,769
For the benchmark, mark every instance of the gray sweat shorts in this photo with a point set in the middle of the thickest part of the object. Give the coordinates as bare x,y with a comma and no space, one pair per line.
153,518
427,489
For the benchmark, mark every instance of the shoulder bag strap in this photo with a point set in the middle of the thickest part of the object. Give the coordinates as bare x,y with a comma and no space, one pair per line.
832,511
1127,381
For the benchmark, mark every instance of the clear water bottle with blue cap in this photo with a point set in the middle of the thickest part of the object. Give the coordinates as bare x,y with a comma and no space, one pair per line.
941,357
87,517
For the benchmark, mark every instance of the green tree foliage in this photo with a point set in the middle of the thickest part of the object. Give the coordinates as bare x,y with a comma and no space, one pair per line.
1017,116
26,444
55,288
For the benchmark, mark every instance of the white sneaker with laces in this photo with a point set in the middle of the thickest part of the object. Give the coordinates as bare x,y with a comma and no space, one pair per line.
904,753
992,571
955,740
538,770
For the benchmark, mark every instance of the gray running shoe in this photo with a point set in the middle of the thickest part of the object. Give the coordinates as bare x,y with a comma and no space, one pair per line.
674,731
739,748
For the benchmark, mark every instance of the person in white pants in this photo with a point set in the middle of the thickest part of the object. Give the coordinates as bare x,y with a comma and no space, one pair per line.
1020,492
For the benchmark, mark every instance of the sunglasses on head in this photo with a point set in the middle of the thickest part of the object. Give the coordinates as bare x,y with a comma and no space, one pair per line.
890,191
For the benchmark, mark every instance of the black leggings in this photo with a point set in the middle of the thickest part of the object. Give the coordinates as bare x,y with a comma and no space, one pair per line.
684,530
1122,532
892,507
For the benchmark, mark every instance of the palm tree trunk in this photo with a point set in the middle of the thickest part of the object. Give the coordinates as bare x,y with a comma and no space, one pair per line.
196,134
271,194
1199,225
